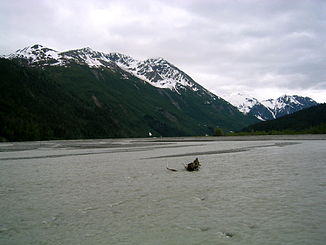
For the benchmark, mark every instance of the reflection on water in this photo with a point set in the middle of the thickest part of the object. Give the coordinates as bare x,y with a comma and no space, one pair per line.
120,192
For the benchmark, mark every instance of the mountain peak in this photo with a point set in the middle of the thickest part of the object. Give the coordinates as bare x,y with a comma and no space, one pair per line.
87,49
36,54
37,46
157,60
34,48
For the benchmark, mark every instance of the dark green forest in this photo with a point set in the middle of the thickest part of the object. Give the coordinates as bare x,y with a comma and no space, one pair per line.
78,102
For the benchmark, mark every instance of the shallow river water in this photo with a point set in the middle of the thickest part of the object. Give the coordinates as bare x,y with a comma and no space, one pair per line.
248,191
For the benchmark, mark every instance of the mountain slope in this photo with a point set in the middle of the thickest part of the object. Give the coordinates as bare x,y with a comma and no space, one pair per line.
311,120
83,96
270,109
36,107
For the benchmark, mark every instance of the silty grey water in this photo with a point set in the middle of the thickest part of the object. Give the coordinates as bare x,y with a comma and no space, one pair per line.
120,192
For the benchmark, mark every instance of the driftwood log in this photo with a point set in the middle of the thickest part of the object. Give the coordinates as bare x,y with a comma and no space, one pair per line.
193,166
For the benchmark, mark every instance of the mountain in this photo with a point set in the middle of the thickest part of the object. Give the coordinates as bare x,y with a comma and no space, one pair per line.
157,72
271,108
46,94
309,120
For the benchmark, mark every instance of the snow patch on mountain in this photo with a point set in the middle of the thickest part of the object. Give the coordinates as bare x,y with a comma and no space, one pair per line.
158,72
270,103
243,102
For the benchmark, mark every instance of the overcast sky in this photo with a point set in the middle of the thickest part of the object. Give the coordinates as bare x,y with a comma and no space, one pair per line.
265,48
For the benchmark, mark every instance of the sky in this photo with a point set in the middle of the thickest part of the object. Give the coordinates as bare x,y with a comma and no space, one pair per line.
263,48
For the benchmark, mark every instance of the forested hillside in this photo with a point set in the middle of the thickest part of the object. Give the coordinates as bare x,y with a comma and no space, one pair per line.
77,101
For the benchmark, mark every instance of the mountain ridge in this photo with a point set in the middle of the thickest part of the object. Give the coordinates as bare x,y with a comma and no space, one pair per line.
156,71
271,108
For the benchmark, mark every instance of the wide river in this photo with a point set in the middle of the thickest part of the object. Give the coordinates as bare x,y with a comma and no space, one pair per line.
249,190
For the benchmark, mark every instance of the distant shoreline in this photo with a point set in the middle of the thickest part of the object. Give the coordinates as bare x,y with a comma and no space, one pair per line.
185,139
243,138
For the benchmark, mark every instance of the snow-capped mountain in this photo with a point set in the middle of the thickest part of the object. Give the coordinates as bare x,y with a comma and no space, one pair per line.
271,108
108,95
287,104
161,74
158,72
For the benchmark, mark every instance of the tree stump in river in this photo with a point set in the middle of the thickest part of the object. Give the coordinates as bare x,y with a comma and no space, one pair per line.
193,166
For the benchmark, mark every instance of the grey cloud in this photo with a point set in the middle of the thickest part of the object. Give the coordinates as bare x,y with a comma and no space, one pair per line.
224,44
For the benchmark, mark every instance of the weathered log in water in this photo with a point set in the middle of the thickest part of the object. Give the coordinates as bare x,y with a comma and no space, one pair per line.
193,166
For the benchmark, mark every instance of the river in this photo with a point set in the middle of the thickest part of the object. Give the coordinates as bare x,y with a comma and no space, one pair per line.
249,190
